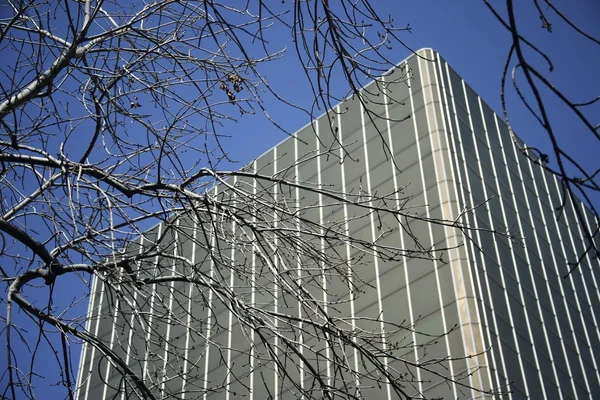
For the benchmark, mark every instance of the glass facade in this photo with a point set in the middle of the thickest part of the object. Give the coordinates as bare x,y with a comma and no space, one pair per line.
497,305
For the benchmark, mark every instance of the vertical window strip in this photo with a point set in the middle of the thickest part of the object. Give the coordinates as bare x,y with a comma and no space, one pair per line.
145,374
441,180
228,365
213,241
170,309
468,201
134,313
89,322
374,250
78,392
186,351
517,272
112,335
457,272
322,241
111,342
521,168
299,264
406,276
347,245
275,283
253,289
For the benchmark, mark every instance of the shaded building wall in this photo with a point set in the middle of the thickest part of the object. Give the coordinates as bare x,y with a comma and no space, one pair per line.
542,328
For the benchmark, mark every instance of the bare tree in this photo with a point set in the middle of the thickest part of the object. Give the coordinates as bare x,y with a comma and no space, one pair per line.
114,133
528,71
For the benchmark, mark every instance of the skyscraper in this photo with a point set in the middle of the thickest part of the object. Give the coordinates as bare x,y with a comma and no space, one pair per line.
490,309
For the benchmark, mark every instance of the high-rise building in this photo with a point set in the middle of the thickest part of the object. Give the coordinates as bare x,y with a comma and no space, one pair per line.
494,297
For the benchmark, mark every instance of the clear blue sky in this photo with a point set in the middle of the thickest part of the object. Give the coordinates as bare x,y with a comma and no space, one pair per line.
469,37
473,42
